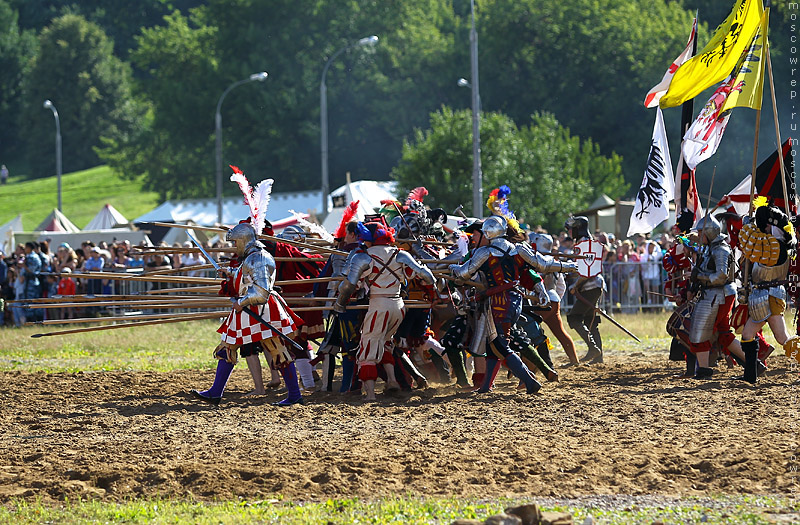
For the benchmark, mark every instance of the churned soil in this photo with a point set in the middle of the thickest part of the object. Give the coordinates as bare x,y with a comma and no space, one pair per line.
624,427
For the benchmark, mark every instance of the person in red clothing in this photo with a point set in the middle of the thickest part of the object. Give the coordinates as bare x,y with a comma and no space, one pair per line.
66,286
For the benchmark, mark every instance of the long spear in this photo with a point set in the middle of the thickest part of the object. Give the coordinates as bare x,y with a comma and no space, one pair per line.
190,316
198,317
111,276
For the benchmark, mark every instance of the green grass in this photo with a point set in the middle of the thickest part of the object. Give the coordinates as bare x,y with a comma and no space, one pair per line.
157,348
83,194
405,510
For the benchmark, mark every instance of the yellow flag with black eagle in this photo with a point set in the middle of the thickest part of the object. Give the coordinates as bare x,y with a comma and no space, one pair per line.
750,78
719,57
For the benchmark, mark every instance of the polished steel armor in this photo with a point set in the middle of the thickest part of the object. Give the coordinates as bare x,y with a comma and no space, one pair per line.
758,300
257,274
241,236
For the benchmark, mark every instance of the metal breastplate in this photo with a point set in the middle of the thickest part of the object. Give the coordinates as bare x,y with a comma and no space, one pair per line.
763,273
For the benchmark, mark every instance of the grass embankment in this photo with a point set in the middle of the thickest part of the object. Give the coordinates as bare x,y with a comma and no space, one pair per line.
405,510
83,194
189,345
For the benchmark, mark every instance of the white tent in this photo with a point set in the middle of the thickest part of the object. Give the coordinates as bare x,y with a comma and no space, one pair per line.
110,235
57,222
204,211
108,217
368,193
7,234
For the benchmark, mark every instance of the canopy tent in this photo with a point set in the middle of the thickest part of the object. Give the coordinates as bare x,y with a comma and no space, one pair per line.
204,211
368,193
75,239
108,217
7,234
57,222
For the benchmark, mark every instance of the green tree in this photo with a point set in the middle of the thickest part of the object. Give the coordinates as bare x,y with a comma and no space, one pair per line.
17,47
551,172
589,62
77,70
173,146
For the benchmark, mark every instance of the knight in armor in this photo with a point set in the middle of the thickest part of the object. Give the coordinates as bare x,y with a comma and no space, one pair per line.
714,288
583,317
556,286
677,262
500,262
253,283
384,268
344,328
768,243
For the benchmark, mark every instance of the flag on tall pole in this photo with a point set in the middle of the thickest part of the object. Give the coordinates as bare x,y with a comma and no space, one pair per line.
704,135
719,57
652,201
655,94
767,183
751,71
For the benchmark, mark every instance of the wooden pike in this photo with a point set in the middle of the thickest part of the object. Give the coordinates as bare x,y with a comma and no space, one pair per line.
153,303
196,317
306,281
211,290
357,307
162,250
80,320
111,276
181,269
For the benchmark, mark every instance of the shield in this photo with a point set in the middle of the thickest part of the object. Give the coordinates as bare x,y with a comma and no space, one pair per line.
592,265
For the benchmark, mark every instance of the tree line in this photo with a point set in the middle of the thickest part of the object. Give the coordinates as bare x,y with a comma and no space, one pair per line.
136,85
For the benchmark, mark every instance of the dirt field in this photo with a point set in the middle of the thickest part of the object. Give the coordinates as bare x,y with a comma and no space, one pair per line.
624,427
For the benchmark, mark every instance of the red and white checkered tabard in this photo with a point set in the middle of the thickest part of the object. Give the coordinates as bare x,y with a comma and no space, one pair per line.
239,328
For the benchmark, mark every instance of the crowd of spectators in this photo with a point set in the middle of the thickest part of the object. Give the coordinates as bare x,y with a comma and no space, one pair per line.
632,268
33,271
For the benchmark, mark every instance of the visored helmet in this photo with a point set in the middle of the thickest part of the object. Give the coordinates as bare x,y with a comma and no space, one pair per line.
293,232
578,227
542,242
494,227
241,235
710,227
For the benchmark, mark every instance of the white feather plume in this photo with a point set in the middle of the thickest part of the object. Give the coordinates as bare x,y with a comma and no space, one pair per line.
314,228
244,185
261,197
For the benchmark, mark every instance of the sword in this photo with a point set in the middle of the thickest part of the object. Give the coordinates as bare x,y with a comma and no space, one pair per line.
205,253
247,310
601,312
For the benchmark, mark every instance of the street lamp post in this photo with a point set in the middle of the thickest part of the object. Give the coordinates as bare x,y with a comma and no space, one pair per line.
49,105
477,176
261,77
323,117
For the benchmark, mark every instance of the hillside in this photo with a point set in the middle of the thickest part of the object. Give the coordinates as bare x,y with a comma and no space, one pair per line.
83,194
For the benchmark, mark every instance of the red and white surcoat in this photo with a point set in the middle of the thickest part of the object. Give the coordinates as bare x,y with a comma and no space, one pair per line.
240,328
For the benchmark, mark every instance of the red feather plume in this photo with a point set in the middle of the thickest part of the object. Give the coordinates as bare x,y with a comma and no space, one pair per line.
417,194
348,215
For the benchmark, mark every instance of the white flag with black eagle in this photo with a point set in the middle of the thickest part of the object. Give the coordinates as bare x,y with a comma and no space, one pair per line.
658,186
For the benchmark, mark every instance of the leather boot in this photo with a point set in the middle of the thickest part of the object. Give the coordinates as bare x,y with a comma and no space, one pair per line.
750,349
704,373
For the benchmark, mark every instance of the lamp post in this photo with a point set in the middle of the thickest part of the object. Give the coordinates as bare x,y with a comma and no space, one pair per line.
49,105
260,77
477,175
323,117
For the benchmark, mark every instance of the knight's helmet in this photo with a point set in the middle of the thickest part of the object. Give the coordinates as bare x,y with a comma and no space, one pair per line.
541,242
494,227
293,232
710,227
241,236
578,227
